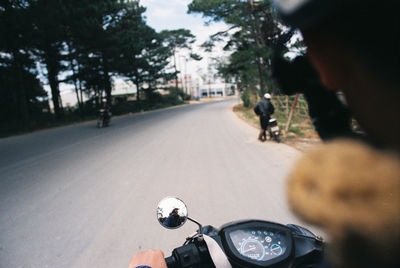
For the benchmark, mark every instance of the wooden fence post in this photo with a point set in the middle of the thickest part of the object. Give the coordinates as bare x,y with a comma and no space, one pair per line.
291,113
287,111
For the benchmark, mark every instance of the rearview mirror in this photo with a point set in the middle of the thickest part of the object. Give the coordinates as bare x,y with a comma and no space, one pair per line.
172,213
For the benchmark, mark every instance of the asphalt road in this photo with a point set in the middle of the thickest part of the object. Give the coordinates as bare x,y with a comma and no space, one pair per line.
79,196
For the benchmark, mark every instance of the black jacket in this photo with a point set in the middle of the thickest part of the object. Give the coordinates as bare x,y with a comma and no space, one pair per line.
264,108
173,221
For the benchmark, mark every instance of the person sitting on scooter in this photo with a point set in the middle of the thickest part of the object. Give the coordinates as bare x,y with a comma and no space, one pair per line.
264,109
354,47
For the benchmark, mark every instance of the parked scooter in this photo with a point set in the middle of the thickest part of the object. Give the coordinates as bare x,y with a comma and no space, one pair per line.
273,129
104,118
249,243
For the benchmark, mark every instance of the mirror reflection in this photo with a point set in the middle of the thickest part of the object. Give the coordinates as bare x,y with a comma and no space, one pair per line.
172,212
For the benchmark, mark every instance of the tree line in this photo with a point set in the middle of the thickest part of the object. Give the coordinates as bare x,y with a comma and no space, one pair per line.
252,30
83,43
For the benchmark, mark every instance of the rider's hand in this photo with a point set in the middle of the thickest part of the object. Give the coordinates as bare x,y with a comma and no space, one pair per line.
151,257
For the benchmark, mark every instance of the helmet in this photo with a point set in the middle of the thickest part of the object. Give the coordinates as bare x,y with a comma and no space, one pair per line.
349,21
302,13
267,96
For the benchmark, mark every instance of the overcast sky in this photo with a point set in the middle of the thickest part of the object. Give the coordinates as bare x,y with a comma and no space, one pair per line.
172,14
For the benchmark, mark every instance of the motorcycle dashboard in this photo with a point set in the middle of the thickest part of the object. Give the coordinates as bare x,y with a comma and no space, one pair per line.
257,242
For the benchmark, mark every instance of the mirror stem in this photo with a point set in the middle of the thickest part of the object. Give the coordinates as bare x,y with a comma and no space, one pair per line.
200,227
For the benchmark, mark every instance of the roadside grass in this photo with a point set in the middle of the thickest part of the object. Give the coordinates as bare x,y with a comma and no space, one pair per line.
297,130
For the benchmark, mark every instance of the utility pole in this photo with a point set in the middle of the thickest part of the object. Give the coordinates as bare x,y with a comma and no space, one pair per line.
176,71
209,79
186,76
183,74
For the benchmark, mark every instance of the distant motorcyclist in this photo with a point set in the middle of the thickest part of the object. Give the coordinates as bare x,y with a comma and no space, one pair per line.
107,110
264,109
104,115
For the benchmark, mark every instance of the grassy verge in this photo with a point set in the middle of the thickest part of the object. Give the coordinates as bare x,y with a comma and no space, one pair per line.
300,134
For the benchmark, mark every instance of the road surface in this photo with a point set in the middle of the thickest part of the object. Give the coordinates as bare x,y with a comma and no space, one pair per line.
79,196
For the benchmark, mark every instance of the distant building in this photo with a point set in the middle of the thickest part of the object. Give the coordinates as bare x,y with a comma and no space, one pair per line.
126,91
195,88
121,87
217,90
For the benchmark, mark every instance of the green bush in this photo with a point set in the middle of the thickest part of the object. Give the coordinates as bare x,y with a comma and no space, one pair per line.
177,92
246,98
126,107
172,99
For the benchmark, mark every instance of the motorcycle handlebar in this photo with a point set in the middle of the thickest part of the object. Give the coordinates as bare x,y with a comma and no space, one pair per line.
171,262
190,255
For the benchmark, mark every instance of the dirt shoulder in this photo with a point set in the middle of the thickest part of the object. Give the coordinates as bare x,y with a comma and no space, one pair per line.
303,138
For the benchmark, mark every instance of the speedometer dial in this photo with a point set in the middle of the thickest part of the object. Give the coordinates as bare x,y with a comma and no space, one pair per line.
253,249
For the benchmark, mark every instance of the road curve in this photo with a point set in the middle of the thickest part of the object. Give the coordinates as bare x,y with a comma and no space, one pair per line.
79,196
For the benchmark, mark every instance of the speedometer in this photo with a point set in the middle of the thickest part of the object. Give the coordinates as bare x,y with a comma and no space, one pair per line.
259,244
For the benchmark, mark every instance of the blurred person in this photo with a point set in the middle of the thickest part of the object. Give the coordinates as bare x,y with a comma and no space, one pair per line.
173,220
264,109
